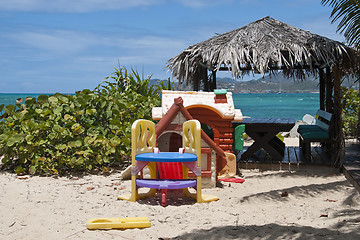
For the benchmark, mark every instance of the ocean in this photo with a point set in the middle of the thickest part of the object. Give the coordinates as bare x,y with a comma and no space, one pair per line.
284,105
10,98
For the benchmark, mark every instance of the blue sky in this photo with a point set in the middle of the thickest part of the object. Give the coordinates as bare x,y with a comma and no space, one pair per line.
66,45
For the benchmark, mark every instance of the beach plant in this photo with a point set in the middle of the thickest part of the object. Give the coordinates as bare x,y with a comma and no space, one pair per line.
170,85
351,103
128,81
347,13
89,130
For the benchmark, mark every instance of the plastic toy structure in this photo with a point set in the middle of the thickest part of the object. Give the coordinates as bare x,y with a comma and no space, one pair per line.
143,154
215,111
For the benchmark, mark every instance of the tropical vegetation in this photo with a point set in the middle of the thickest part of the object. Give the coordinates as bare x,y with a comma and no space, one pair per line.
351,103
348,12
90,130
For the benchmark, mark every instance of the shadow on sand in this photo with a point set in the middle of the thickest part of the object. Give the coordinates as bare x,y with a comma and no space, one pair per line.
270,232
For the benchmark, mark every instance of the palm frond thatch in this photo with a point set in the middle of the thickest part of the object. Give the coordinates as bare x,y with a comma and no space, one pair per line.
262,46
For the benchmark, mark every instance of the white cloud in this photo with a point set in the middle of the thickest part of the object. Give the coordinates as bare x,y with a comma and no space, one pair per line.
54,41
72,5
203,3
81,6
64,42
152,43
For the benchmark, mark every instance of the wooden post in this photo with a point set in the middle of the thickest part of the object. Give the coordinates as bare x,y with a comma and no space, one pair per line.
322,88
329,89
338,133
358,124
214,80
196,84
206,80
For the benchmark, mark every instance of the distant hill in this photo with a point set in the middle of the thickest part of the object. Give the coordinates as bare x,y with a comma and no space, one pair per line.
267,84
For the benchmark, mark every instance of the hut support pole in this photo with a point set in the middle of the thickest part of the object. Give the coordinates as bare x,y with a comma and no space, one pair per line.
206,82
214,80
338,133
196,84
358,124
322,88
329,90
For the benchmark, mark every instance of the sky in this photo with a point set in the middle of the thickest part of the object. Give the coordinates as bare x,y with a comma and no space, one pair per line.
69,45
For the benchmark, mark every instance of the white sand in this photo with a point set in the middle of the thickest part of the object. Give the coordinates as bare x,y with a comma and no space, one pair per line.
320,205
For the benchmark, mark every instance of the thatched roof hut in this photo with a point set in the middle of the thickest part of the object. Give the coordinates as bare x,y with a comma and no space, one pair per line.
267,45
259,47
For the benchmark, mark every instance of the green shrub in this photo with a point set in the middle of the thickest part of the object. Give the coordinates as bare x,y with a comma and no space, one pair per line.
86,131
351,102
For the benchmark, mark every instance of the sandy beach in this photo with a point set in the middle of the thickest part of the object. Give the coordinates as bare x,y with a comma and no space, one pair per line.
303,204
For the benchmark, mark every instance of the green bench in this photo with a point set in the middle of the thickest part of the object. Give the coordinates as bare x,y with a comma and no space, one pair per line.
315,133
238,144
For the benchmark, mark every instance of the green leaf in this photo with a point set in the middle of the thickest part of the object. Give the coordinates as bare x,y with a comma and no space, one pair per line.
109,113
43,98
46,112
29,138
90,111
58,128
10,109
52,136
42,126
58,110
76,143
19,170
347,13
61,147
77,128
32,169
42,142
15,138
67,117
3,137
66,108
53,100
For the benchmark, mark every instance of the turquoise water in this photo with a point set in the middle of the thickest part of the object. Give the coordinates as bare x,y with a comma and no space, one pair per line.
10,98
285,105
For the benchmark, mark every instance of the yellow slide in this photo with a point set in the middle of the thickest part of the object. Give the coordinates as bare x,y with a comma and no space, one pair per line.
117,223
229,170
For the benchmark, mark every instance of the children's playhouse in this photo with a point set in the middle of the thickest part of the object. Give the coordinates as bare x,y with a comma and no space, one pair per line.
215,111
